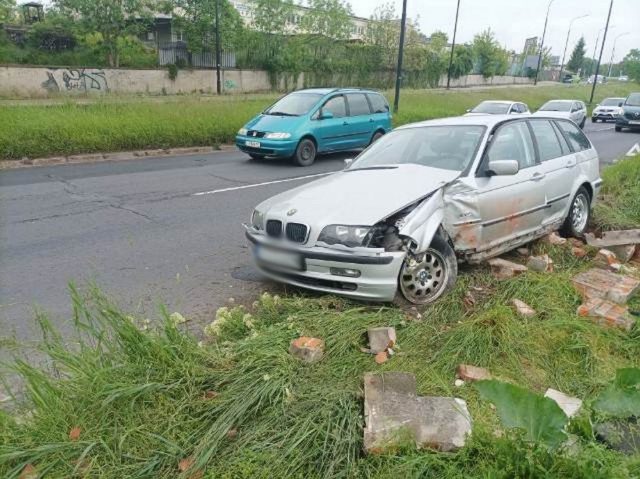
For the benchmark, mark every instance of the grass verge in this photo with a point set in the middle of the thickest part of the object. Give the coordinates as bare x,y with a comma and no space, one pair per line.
619,207
111,124
126,402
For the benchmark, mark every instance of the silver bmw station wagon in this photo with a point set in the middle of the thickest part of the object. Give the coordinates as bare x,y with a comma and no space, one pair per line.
423,198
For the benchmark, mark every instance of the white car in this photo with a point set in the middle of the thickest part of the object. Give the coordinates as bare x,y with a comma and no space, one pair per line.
574,110
424,197
607,109
495,107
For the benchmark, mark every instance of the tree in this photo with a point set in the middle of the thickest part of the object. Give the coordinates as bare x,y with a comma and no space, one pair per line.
491,58
631,64
328,18
271,16
383,32
7,10
114,20
576,61
462,61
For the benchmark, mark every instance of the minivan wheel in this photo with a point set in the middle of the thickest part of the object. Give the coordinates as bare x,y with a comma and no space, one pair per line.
376,136
579,214
305,153
618,128
427,276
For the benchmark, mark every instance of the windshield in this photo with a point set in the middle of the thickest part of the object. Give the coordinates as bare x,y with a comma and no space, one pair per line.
444,147
556,106
491,108
611,101
633,100
294,104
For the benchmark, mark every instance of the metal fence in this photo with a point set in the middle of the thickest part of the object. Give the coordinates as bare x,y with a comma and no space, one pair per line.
177,52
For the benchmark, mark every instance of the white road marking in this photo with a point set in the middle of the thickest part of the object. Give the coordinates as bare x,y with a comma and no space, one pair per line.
635,150
600,129
266,183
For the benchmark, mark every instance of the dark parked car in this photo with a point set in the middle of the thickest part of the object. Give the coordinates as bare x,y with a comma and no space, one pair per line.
630,115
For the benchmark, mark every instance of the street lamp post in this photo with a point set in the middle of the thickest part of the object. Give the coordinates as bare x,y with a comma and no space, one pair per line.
595,47
218,60
567,43
544,32
613,51
604,40
453,45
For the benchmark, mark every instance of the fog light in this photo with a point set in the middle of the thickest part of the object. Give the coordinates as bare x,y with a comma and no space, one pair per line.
350,273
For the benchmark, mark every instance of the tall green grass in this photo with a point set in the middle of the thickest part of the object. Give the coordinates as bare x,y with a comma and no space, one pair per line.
38,129
619,207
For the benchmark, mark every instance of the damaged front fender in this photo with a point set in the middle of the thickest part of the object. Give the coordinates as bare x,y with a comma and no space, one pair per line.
423,222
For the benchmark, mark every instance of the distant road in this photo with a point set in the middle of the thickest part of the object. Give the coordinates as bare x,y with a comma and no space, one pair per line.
137,229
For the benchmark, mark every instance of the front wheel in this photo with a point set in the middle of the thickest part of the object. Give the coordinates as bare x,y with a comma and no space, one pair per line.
376,136
579,214
584,120
305,153
425,277
618,128
594,120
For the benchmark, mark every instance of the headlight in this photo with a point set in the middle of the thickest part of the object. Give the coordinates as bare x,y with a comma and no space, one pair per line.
277,136
242,131
257,220
618,111
345,235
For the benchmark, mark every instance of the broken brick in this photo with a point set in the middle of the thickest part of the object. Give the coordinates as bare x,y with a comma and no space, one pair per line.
614,238
503,269
523,309
540,264
74,433
307,349
606,313
381,357
606,258
598,283
524,252
466,372
554,239
569,405
624,253
381,339
578,252
576,242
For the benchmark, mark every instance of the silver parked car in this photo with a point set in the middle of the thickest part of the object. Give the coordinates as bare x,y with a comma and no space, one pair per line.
499,107
422,198
574,110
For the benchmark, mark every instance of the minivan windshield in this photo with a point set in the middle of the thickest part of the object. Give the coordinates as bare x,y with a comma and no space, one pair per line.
492,108
633,100
612,101
556,106
294,104
445,147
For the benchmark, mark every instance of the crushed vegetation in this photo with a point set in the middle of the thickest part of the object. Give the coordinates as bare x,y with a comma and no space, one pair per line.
128,399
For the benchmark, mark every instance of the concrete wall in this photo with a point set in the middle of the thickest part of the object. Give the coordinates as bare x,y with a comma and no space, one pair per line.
35,82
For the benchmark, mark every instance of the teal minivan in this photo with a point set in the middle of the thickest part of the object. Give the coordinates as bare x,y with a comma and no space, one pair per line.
304,123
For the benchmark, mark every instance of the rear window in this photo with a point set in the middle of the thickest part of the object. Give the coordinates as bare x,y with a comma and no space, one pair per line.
577,139
358,104
556,106
378,103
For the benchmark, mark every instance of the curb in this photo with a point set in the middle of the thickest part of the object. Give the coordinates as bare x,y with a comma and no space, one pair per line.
118,156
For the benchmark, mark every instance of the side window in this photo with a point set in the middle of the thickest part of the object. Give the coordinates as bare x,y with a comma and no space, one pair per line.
337,106
548,145
574,135
513,142
378,103
563,141
514,108
358,104
523,108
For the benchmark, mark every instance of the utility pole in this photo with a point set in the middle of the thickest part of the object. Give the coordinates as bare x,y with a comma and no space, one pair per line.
604,40
567,43
403,26
544,32
453,45
613,51
218,55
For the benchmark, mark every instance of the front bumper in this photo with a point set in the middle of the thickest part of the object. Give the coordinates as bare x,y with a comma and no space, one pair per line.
378,278
273,148
627,123
604,116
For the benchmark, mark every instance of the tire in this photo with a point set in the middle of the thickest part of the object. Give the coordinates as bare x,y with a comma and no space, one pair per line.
376,136
426,277
305,153
584,120
594,120
579,215
618,128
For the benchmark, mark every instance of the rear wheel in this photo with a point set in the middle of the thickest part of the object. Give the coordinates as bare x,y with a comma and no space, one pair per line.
376,136
579,214
427,276
305,153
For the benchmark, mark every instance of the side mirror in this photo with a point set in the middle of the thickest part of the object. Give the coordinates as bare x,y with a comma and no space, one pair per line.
326,115
503,167
468,110
621,103
347,163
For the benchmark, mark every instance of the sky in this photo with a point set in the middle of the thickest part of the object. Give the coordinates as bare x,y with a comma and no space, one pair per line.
515,20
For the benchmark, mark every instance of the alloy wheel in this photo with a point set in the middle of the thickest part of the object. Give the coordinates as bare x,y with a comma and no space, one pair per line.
423,278
580,213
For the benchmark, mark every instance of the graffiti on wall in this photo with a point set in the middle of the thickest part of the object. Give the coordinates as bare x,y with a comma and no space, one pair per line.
230,85
81,80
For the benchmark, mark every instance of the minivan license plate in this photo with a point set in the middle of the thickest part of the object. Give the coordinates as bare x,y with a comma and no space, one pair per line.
253,144
275,257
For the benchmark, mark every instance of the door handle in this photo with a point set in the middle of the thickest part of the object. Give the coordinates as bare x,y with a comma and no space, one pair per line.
537,176
370,120
344,123
570,164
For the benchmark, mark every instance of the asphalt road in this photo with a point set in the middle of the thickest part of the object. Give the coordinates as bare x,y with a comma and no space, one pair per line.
143,231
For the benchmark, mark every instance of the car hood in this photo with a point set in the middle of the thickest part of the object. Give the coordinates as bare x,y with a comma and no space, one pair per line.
357,196
273,123
553,114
